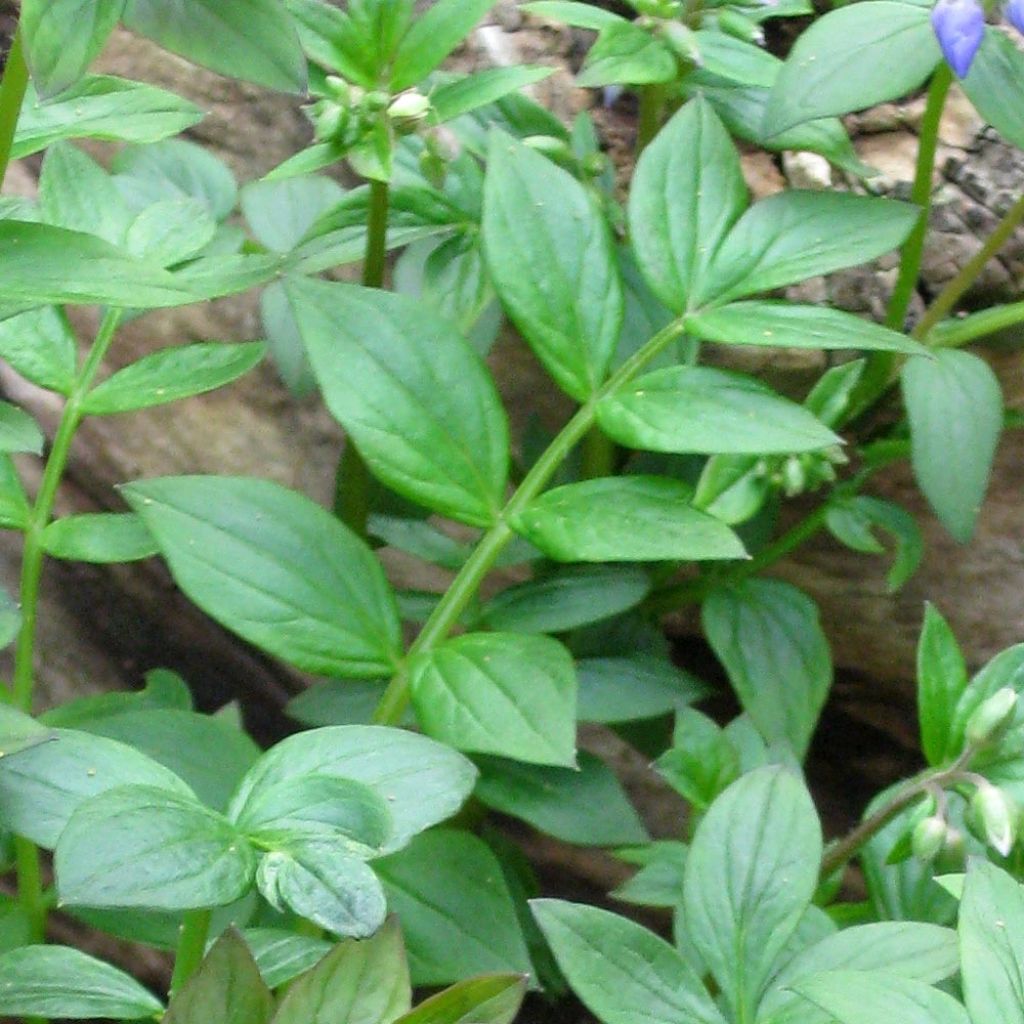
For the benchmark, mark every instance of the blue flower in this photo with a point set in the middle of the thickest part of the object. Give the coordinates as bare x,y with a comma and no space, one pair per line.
1015,14
960,27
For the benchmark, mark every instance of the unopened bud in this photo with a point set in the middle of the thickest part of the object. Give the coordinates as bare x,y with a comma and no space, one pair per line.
794,476
409,106
929,837
683,41
374,102
739,26
991,719
433,167
330,120
549,145
953,853
338,89
996,816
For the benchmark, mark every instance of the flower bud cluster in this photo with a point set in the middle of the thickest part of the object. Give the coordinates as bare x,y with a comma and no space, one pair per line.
347,114
960,28
803,473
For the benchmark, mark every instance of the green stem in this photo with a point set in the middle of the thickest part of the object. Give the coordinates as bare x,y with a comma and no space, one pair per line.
12,96
652,113
954,333
598,455
30,888
353,488
195,930
465,585
880,365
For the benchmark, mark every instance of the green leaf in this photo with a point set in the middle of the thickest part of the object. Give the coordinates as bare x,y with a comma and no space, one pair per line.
207,752
955,407
997,71
44,265
42,786
634,687
318,805
282,955
453,99
699,409
456,910
566,599
865,997
579,15
750,875
164,689
330,38
172,374
415,398
254,40
432,37
76,193
358,982
639,518
19,432
422,781
19,731
794,235
688,192
625,53
490,999
991,928
275,568
56,981
768,636
586,806
338,702
852,520
788,325
499,693
99,538
226,988
910,949
170,232
280,213
14,507
941,681
622,972
702,761
553,265
212,277
139,846
102,107
41,346
318,879
10,621
835,66
659,882
63,37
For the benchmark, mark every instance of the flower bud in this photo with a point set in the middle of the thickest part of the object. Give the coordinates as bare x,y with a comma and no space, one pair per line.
683,41
794,476
330,120
959,26
990,720
996,815
953,853
1015,14
929,837
338,90
740,26
409,106
550,146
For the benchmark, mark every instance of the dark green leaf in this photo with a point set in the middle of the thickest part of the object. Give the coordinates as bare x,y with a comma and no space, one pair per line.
41,347
586,806
768,636
634,687
456,911
61,982
852,520
941,680
281,212
227,988
19,432
490,999
139,846
625,53
499,693
276,568
432,37
955,406
417,401
625,519
453,99
99,538
579,15
702,761
687,194
338,702
699,409
163,689
836,65
358,982
788,325
171,231
659,882
997,72
551,257
622,972
422,781
171,374
102,107
282,955
750,875
254,40
858,997
10,620
76,193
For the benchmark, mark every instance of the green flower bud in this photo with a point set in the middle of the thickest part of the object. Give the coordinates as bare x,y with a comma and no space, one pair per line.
741,27
409,106
989,722
794,476
433,167
683,41
996,816
339,90
374,102
953,854
330,121
929,837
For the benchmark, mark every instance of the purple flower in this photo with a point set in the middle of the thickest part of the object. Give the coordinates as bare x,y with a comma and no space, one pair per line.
1015,14
960,27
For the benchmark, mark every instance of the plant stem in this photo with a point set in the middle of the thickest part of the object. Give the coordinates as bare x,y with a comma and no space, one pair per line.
879,369
30,895
352,488
652,113
598,454
472,574
195,930
12,96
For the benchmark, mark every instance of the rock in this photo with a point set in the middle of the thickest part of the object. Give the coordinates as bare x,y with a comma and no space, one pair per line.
807,170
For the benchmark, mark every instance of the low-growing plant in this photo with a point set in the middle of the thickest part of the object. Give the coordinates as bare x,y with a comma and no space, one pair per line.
663,488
